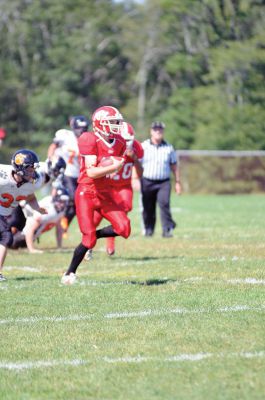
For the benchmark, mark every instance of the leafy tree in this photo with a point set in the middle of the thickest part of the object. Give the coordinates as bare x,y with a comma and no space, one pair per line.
198,65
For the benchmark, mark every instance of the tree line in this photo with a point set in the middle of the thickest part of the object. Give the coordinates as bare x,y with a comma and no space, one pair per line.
198,65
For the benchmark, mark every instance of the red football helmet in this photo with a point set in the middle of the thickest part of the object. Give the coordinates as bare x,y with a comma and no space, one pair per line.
127,131
107,120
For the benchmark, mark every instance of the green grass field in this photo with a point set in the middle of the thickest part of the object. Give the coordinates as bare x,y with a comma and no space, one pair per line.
179,318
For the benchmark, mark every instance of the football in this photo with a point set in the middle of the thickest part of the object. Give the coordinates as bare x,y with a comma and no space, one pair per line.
106,161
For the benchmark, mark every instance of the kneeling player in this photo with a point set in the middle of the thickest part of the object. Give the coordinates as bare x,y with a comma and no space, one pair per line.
37,224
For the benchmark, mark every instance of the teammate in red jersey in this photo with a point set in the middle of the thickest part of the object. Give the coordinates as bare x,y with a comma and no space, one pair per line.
94,192
121,181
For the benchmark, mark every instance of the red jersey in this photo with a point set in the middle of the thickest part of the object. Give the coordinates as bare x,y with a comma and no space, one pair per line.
123,176
91,143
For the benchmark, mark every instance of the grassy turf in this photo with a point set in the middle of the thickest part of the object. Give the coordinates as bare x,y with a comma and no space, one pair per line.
179,318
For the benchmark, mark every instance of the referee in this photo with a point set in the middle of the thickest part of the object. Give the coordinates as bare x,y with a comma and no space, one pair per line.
158,162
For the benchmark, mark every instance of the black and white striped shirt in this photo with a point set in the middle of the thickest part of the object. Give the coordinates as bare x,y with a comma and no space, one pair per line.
157,160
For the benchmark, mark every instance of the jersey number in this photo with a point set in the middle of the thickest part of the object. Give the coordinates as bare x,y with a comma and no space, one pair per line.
72,155
8,199
126,172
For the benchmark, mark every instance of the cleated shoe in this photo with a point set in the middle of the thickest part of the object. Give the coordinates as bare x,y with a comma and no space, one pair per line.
168,233
110,252
148,232
88,256
68,279
110,246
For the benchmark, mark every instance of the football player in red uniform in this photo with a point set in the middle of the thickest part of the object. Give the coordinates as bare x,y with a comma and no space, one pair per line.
121,181
94,192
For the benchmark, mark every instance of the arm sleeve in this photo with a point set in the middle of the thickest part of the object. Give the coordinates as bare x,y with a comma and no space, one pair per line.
173,156
87,144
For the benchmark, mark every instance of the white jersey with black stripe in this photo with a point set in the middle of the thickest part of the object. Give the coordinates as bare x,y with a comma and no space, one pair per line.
11,194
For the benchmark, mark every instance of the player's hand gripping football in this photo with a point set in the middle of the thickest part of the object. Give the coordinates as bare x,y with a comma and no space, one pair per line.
130,153
117,163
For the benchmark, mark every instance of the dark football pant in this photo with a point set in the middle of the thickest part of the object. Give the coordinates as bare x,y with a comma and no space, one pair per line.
17,219
6,237
154,192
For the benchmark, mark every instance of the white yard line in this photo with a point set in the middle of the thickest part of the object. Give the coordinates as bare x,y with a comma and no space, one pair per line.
32,320
150,313
135,314
20,366
248,281
22,268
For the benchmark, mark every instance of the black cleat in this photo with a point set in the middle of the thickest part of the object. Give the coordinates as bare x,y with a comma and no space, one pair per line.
168,233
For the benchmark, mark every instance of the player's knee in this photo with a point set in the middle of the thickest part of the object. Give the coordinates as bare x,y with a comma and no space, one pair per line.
89,240
124,228
6,239
127,209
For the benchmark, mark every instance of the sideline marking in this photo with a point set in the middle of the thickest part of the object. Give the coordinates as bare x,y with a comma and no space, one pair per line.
134,314
20,366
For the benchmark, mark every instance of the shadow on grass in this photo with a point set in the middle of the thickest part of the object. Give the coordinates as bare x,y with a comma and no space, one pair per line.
147,258
148,282
152,282
29,278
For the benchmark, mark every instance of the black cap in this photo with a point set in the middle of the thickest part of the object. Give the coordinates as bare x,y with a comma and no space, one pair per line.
158,125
